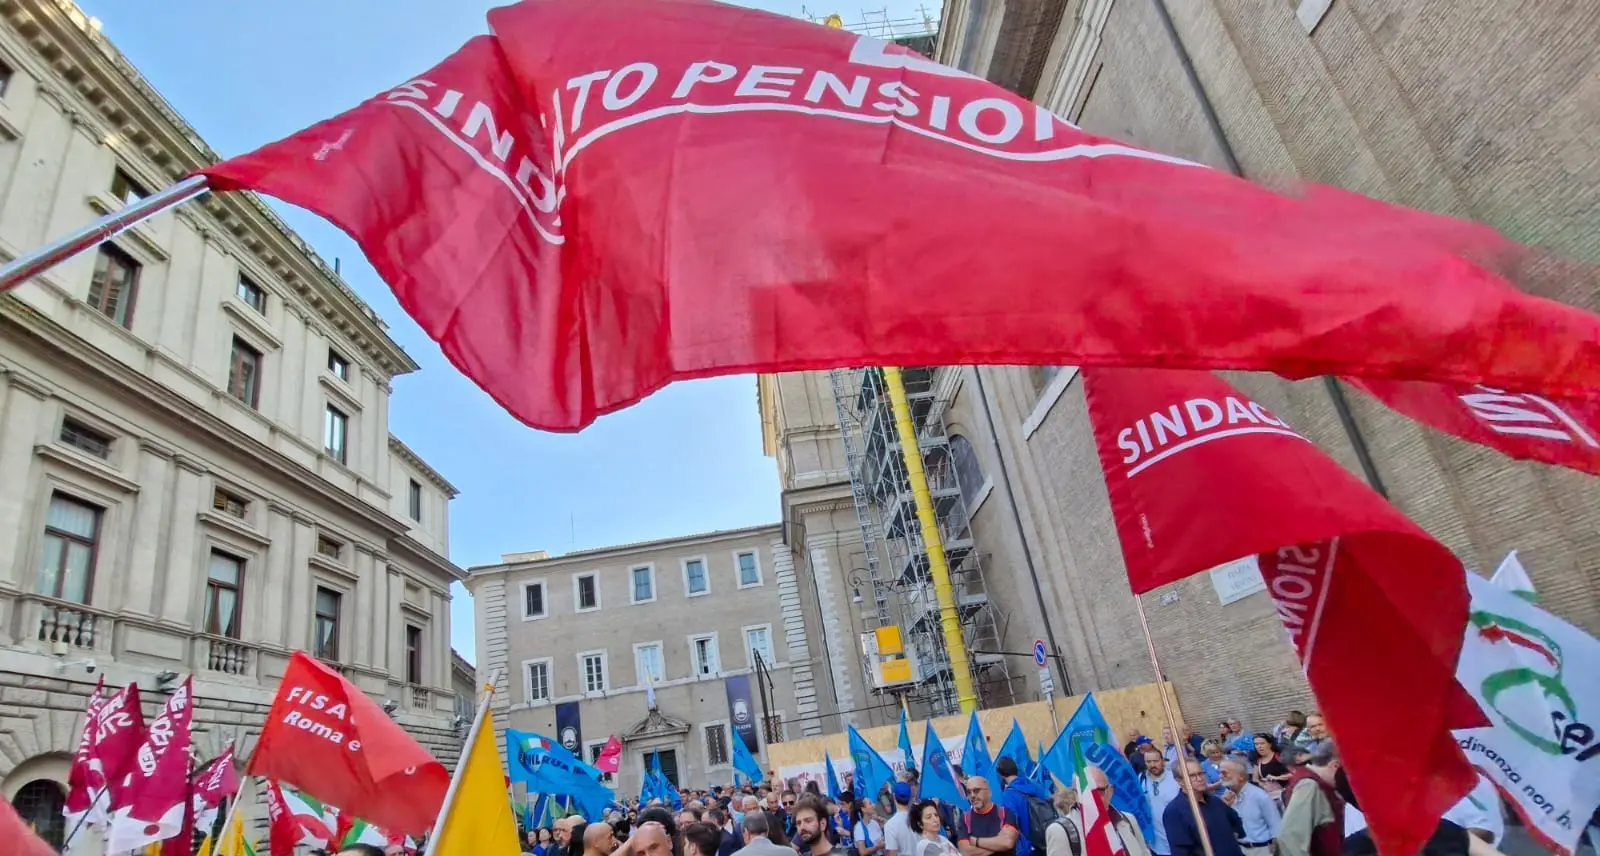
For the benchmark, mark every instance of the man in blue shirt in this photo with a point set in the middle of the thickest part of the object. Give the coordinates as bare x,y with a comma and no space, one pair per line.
1223,827
1257,811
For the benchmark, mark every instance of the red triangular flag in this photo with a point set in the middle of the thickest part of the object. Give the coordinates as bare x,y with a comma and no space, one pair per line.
580,214
82,789
156,787
610,756
1200,474
325,737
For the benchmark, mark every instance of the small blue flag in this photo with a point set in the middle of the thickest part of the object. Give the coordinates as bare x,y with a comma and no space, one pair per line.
744,762
872,772
1016,748
938,780
905,741
833,780
975,760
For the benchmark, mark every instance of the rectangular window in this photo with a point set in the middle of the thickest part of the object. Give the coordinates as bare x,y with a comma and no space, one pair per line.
414,497
586,592
229,504
716,743
326,643
694,577
338,366
592,667
593,750
413,655
772,727
224,589
538,684
532,600
244,373
71,541
252,294
329,547
703,651
758,640
114,284
749,570
644,584
85,439
125,188
335,431
648,664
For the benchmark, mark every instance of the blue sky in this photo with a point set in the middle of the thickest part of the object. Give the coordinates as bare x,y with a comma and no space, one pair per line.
686,460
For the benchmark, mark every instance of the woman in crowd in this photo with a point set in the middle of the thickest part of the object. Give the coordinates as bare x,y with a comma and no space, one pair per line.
928,824
867,832
1270,771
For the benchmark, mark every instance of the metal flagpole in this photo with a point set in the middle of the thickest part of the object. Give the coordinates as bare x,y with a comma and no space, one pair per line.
461,764
1172,723
31,264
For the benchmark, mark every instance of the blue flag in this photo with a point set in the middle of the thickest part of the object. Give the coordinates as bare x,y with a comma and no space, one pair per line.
872,772
833,780
975,760
1086,741
744,762
905,740
938,780
1016,748
545,767
1041,774
659,786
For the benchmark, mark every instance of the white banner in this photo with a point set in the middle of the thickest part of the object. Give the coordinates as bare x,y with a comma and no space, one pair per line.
818,771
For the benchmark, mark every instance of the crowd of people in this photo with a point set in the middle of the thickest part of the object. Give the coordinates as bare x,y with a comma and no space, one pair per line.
1278,792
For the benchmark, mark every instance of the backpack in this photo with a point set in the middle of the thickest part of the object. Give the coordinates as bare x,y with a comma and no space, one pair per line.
1040,815
1074,841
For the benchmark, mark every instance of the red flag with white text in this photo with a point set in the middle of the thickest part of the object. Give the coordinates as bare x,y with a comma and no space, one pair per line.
327,738
610,756
156,787
1553,430
285,832
1200,474
581,212
82,793
119,734
217,782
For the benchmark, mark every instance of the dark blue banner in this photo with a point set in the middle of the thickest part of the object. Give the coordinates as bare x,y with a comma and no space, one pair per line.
569,729
742,712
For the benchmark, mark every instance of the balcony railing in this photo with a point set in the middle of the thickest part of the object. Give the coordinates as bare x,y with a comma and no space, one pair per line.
421,697
62,626
223,655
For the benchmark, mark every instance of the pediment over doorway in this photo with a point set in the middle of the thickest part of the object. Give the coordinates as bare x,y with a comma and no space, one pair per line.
655,725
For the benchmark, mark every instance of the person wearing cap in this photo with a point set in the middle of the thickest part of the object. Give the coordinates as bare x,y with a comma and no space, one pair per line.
897,835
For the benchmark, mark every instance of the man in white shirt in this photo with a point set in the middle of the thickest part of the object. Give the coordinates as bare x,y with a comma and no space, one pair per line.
897,834
1258,811
1160,788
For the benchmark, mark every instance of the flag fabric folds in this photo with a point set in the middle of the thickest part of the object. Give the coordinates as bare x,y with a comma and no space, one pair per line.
1564,432
284,832
114,732
744,762
1086,742
833,778
1338,560
904,741
975,758
610,756
157,786
872,773
580,215
82,791
1016,748
938,781
1533,675
479,820
329,739
218,781
544,766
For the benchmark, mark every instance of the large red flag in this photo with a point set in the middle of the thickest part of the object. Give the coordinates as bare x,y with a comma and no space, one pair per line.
156,798
325,737
1560,431
82,792
581,211
284,833
1199,475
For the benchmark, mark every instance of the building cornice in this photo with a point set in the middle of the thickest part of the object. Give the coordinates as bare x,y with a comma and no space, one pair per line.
417,463
411,549
19,321
141,120
588,558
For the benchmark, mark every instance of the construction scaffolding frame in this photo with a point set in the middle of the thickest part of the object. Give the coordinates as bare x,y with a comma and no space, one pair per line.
897,564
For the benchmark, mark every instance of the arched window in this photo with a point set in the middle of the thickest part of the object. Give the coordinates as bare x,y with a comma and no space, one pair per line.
968,471
39,803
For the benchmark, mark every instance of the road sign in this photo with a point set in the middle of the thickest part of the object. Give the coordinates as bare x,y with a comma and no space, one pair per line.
1040,653
1047,683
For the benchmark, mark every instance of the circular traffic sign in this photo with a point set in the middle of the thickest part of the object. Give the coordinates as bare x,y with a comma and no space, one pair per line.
1040,653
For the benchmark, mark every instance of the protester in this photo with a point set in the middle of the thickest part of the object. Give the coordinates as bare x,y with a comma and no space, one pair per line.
1270,773
867,833
360,849
1257,811
1313,814
701,839
599,840
927,823
649,838
897,834
811,827
1027,802
1222,828
1160,788
987,829
1064,837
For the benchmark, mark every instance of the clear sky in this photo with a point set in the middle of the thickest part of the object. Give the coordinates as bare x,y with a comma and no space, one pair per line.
246,72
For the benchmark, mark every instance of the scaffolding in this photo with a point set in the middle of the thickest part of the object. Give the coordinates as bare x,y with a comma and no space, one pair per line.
916,31
897,567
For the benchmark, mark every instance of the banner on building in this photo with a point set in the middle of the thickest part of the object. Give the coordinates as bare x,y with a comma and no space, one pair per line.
741,712
569,728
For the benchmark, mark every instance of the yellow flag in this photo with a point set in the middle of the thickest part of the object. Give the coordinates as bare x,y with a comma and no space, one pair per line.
233,843
833,22
205,847
480,820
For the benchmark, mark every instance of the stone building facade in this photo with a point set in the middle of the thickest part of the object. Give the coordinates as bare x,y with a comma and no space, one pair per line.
1395,100
641,642
196,471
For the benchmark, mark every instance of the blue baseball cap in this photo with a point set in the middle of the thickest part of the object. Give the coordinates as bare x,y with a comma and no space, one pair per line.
902,792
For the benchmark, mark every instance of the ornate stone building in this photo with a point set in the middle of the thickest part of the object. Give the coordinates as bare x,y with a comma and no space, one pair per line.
196,471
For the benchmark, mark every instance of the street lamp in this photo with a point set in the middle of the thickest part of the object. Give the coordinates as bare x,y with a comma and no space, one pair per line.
859,578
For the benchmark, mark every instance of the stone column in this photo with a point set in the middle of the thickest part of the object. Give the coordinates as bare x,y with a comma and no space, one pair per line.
302,598
798,652
21,404
136,590
841,650
293,369
392,653
366,605
277,584
184,568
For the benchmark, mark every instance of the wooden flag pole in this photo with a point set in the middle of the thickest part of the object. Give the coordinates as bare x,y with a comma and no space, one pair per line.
1172,723
461,764
31,264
